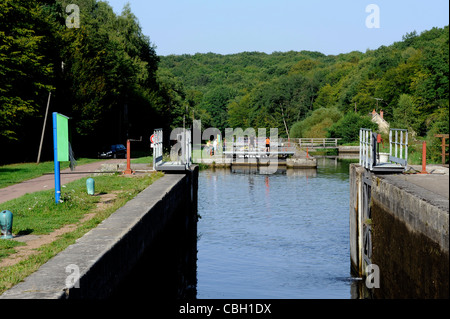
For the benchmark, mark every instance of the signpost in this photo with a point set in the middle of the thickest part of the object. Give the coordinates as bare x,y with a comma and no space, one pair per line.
60,148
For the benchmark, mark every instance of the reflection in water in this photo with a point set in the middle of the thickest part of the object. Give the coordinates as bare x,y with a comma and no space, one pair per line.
283,235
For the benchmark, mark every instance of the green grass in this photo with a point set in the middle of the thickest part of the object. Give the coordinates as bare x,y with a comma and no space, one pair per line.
143,160
38,214
7,247
16,173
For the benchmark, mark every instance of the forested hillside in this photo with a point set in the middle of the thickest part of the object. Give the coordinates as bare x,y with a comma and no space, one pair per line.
309,94
106,76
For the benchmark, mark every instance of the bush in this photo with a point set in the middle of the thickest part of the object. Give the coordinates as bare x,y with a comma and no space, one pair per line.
317,124
347,128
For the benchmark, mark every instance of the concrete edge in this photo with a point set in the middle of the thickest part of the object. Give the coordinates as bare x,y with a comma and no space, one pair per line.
55,278
420,209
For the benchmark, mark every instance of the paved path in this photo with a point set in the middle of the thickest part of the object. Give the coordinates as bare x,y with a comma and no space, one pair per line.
48,182
436,181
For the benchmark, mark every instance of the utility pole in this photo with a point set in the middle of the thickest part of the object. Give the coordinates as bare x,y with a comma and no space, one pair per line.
43,128
378,99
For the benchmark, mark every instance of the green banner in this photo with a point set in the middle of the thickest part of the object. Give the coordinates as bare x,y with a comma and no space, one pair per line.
62,128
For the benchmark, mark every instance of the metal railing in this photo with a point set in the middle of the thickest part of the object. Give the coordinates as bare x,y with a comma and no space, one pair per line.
367,148
244,146
157,147
185,139
398,146
318,142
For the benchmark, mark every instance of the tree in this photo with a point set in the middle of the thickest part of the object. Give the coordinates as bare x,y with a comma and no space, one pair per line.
347,128
109,76
317,124
25,73
215,102
239,112
169,100
406,113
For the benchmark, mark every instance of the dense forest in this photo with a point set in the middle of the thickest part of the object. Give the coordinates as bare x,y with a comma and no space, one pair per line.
309,94
106,76
102,74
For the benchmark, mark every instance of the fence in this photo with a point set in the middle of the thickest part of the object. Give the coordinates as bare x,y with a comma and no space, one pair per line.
157,148
398,142
444,145
398,147
367,148
318,142
184,139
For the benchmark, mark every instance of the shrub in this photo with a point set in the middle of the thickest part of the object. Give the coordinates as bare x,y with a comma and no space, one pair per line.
347,128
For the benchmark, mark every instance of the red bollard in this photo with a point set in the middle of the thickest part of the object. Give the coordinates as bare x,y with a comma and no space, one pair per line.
424,158
128,171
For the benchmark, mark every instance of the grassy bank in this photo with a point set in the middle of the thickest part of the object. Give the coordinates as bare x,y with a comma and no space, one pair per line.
16,173
142,160
37,214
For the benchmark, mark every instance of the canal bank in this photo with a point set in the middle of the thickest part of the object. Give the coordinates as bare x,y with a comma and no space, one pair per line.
98,263
399,222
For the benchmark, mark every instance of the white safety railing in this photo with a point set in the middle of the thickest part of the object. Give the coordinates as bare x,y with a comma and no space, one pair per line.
157,148
185,139
318,142
398,146
366,148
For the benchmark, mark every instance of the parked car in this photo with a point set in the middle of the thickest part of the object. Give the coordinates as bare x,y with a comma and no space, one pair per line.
113,151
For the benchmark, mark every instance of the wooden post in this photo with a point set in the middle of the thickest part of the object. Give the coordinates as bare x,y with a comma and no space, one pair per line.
443,145
443,150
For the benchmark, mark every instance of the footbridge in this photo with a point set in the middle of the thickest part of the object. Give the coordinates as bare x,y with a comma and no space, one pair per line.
315,143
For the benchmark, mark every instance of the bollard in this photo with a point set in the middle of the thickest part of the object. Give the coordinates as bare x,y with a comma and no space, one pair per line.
90,185
424,158
128,171
6,221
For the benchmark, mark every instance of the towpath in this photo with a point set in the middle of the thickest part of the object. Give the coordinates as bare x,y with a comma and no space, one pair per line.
48,182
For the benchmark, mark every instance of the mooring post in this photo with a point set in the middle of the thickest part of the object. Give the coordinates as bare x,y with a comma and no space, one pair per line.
128,171
424,158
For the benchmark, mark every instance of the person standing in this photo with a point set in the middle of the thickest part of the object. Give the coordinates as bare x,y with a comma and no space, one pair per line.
267,144
208,147
215,146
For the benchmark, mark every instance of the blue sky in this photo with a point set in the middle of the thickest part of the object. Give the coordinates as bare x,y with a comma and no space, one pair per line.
233,26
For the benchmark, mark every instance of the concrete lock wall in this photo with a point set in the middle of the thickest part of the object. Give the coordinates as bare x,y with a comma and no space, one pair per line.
356,178
408,233
99,262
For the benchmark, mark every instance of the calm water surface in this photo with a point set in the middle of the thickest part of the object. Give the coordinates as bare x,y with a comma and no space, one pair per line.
276,236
